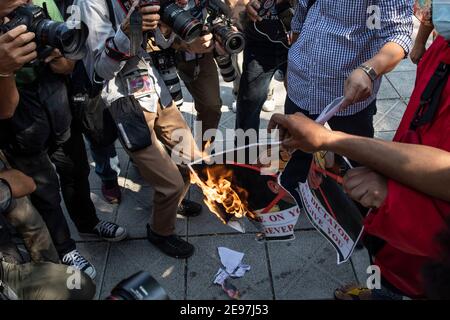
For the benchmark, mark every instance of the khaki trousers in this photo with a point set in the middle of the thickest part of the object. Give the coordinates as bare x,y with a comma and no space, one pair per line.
32,228
169,132
205,89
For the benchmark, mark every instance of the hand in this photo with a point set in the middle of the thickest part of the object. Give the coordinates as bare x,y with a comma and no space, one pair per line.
203,44
252,10
417,52
150,19
58,63
358,87
16,49
299,132
21,185
366,186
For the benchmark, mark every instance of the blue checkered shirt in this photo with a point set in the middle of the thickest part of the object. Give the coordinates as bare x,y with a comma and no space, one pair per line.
334,39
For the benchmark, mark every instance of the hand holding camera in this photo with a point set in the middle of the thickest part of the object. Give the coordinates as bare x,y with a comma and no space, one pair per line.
252,8
150,18
203,44
58,63
16,49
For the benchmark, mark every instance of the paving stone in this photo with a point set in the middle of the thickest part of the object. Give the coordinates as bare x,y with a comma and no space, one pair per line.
360,260
306,268
387,124
403,82
134,213
96,253
406,65
398,110
128,257
202,267
387,91
105,211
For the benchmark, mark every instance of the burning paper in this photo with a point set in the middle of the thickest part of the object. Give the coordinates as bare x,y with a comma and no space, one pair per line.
235,190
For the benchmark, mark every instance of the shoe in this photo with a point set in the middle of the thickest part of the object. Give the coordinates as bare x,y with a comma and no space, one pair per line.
172,245
77,261
234,106
107,231
189,208
269,106
112,193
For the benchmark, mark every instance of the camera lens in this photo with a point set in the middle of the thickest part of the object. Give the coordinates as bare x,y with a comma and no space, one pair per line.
70,41
181,21
232,41
226,68
140,286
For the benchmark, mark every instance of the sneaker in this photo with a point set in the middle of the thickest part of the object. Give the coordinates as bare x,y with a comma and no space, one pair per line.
172,245
234,106
269,106
77,261
107,231
112,193
189,208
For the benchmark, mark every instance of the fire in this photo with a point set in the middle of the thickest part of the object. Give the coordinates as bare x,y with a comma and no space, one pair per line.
220,196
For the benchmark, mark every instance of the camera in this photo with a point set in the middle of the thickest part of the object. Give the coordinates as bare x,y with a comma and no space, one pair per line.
49,34
232,41
140,286
219,22
181,21
226,68
165,62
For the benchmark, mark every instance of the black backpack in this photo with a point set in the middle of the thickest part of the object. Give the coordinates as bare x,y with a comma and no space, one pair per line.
87,105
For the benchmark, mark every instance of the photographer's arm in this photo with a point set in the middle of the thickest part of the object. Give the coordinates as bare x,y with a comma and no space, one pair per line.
16,49
95,14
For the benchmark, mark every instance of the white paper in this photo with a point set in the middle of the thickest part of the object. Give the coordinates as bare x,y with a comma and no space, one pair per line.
330,110
232,265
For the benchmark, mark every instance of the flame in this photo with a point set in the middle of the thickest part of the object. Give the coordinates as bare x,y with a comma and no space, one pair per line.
220,195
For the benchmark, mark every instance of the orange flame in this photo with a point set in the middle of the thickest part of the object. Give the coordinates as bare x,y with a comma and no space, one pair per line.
220,195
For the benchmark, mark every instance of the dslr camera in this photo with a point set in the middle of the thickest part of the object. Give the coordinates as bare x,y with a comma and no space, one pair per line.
49,34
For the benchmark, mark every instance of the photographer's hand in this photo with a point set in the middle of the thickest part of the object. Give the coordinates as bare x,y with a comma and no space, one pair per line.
59,64
251,7
21,184
150,19
16,49
203,44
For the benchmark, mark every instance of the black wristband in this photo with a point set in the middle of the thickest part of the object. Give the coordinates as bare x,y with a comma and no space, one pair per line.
112,51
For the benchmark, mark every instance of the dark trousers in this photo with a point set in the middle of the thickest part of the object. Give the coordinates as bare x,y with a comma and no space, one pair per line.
259,65
359,124
70,161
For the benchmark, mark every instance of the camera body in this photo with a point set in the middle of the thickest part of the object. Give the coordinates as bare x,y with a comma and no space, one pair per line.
49,34
165,62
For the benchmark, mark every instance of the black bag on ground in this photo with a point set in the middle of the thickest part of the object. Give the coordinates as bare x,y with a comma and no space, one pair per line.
132,128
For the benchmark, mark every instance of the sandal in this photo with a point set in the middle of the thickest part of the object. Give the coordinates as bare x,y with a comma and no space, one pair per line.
353,292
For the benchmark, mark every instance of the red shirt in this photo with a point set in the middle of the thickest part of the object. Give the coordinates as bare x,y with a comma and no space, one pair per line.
409,220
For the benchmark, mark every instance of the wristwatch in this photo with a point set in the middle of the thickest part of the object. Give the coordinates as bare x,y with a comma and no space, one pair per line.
373,75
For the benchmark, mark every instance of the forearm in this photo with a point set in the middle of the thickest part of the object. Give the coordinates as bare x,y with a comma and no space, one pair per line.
180,45
419,167
387,58
10,100
423,34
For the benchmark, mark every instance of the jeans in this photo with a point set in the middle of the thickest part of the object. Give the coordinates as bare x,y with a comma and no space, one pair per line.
259,65
106,163
70,161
